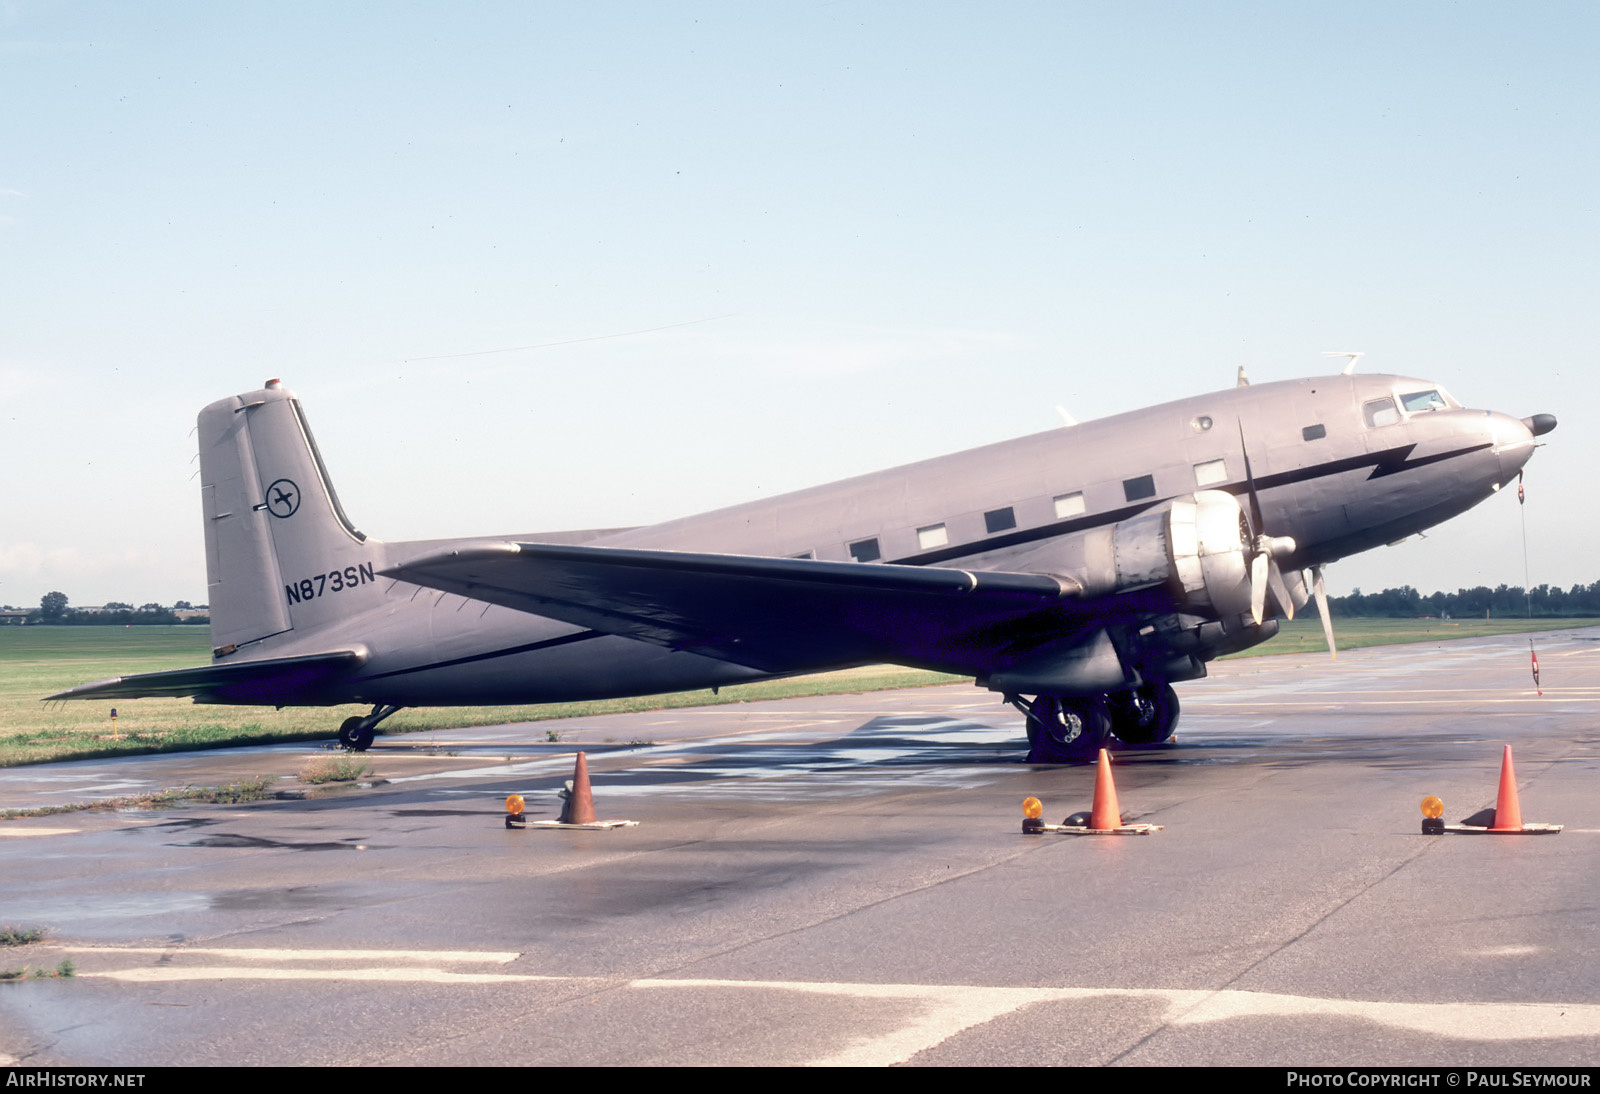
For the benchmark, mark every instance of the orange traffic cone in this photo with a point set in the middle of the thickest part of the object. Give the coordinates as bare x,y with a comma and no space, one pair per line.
1507,810
579,806
1105,814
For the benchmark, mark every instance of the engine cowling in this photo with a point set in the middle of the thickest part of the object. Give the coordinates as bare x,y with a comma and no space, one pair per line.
1197,545
1197,550
1208,540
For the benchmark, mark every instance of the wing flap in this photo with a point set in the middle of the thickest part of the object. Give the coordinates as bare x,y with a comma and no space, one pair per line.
276,680
772,614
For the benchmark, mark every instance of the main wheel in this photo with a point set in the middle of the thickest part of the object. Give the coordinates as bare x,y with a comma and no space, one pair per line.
1066,729
356,735
1147,715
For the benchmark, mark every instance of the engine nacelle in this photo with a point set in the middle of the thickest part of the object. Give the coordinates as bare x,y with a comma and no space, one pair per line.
1196,550
1209,542
1198,546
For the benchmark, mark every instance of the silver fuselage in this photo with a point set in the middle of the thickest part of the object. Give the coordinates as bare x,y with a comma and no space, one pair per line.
1366,480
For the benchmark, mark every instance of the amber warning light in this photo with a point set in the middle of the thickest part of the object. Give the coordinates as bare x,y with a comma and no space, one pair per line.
1432,811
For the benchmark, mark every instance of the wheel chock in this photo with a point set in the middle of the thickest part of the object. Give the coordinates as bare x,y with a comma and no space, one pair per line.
1103,819
577,810
1505,819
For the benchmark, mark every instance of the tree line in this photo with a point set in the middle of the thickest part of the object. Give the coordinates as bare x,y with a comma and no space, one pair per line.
55,608
1543,601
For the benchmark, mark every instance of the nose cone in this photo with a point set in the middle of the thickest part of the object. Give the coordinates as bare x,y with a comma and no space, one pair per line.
1540,424
1513,441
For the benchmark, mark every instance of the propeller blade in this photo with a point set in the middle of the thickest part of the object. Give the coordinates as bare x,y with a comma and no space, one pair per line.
1299,588
1258,586
1280,589
1250,485
1320,591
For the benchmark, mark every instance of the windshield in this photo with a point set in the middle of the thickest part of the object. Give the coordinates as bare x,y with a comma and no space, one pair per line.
1423,400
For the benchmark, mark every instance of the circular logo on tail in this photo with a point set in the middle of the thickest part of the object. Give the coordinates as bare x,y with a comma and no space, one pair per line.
283,498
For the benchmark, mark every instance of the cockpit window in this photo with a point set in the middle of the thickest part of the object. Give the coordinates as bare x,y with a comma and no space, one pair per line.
1423,400
1380,412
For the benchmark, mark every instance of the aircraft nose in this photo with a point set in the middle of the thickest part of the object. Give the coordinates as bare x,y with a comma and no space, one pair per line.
1540,424
1513,441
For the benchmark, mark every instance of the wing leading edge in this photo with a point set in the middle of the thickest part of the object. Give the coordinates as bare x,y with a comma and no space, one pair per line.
772,614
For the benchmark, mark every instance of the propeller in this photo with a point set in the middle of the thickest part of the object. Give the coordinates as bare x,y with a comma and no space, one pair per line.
1264,572
1265,552
1320,591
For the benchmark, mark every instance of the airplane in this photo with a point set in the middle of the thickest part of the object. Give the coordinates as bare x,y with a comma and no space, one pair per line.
1079,573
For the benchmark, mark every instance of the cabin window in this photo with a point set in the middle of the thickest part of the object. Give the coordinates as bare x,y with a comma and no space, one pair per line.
1137,489
999,520
805,554
1423,400
934,535
1069,505
866,550
1211,472
1380,412
1313,433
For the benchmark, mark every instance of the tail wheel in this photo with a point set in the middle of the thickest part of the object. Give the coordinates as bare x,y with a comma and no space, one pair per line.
356,735
1066,728
1146,715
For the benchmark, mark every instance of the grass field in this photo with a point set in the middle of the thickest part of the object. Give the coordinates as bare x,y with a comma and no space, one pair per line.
1304,635
36,661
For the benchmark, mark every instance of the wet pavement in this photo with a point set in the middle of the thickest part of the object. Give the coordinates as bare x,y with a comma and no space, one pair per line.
841,879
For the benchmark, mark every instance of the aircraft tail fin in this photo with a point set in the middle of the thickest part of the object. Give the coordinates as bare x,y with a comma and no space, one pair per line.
281,556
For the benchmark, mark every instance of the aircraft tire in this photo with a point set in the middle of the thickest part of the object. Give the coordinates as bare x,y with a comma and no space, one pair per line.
1067,729
356,735
1146,716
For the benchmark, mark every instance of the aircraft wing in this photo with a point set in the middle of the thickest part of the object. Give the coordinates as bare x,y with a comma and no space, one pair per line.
276,680
772,614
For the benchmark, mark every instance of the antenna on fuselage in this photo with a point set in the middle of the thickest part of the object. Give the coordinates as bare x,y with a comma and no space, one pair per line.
1243,380
1066,419
1352,354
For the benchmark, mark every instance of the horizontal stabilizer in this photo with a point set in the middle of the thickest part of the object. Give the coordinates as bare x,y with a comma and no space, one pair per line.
275,681
772,614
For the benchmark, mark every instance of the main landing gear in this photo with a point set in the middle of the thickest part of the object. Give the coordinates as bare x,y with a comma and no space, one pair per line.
1145,716
356,734
1065,729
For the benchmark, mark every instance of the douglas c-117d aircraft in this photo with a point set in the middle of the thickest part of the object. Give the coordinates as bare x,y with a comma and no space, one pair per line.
1080,573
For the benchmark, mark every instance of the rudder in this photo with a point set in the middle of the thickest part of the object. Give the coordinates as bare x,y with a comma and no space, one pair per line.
281,555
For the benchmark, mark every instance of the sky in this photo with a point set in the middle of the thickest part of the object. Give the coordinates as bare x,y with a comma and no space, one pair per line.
534,266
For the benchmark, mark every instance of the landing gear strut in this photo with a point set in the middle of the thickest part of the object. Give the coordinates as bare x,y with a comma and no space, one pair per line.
1064,729
356,734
